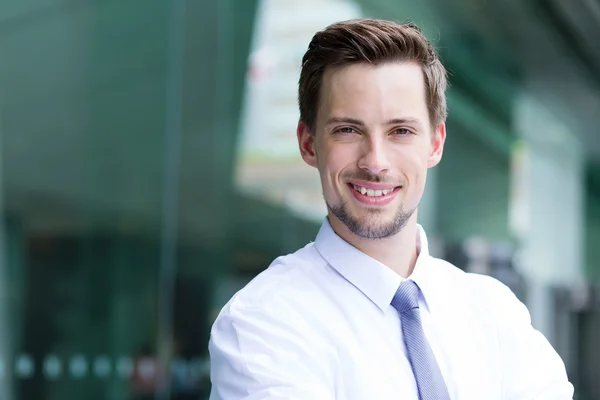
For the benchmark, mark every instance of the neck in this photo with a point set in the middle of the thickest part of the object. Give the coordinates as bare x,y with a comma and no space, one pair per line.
398,252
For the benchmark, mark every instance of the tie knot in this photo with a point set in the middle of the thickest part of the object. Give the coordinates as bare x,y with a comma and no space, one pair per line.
406,297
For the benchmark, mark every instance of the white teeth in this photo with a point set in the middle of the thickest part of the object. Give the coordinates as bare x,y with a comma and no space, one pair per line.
372,192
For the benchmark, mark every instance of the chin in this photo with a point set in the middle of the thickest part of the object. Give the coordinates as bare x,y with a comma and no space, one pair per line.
372,222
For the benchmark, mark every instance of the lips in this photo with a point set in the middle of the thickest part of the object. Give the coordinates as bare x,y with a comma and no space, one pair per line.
372,192
375,194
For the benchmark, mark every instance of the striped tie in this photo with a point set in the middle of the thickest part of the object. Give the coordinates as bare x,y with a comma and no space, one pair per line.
430,381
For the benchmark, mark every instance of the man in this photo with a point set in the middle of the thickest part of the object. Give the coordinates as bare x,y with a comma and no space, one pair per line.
365,312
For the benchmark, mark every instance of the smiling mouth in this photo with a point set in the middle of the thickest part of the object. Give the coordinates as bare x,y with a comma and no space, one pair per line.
373,192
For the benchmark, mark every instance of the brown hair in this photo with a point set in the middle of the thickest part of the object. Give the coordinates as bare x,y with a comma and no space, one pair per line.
374,42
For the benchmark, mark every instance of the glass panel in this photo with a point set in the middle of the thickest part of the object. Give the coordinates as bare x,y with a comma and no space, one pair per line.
122,234
89,126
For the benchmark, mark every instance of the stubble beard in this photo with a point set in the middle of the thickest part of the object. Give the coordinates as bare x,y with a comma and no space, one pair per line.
368,226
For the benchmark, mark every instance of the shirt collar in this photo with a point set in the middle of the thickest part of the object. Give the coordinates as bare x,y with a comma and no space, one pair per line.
375,280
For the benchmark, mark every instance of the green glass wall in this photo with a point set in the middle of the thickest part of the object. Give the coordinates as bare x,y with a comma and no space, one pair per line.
122,232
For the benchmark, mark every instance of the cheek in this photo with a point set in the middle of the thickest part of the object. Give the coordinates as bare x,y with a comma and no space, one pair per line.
338,158
412,161
413,166
326,163
419,177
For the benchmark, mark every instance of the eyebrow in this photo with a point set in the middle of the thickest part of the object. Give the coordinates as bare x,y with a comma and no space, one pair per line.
354,121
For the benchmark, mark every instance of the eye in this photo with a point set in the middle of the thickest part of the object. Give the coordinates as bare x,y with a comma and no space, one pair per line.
346,130
402,132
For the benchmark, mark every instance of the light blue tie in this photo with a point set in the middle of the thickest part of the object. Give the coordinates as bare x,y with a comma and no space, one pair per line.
430,381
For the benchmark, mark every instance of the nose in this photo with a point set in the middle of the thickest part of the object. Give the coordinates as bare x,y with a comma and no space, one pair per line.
374,158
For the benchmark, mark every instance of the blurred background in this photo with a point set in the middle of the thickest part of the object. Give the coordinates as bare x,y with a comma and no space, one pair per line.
149,169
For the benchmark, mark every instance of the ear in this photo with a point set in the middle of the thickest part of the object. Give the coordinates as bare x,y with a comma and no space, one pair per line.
437,145
306,142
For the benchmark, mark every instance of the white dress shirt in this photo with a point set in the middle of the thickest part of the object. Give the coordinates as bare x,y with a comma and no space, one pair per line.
318,325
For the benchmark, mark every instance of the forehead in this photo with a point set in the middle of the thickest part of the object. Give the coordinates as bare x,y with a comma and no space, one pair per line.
391,90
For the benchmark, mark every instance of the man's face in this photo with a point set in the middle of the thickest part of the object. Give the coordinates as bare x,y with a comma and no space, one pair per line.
373,143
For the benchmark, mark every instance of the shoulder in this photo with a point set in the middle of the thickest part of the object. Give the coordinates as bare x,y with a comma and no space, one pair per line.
494,295
287,279
477,284
482,292
273,309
